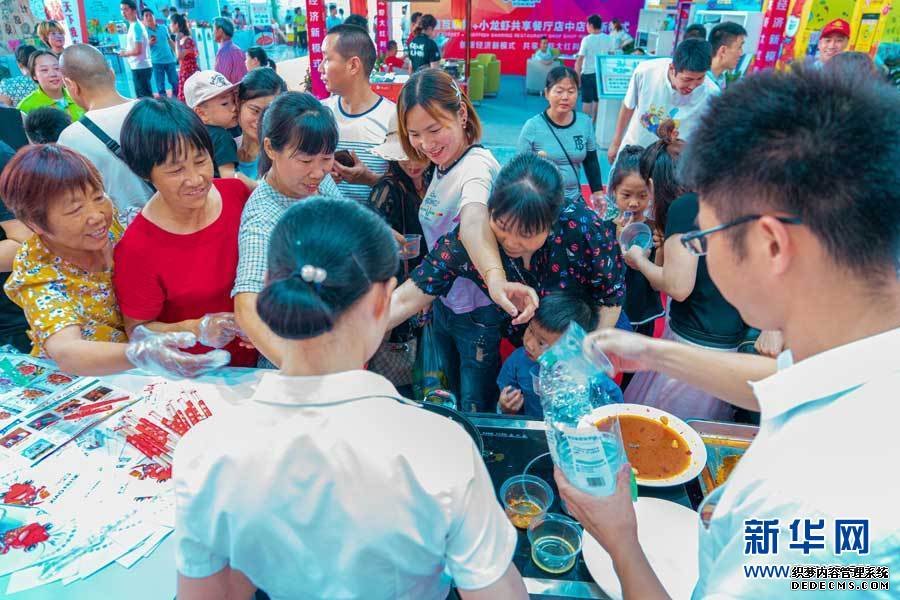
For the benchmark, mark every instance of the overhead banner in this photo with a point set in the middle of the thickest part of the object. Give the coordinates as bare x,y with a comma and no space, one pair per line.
512,29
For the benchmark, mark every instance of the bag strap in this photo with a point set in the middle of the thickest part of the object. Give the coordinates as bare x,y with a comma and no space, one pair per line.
561,147
104,138
107,141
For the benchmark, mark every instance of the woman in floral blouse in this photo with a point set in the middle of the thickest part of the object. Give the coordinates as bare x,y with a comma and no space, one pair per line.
542,244
62,276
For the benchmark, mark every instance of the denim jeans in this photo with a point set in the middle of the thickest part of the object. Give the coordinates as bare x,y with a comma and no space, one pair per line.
469,345
160,73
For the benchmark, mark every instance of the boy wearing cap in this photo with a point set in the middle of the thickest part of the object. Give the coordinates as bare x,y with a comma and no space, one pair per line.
212,97
834,39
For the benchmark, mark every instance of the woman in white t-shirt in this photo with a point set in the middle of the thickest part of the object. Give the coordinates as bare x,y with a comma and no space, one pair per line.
326,484
438,123
620,36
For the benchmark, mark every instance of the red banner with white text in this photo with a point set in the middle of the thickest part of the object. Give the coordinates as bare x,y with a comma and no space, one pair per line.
316,30
512,29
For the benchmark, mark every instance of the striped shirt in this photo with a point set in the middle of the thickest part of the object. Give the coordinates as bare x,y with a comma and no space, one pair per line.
262,212
360,133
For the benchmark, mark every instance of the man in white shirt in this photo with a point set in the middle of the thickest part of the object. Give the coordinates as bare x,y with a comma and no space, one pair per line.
595,43
137,51
800,219
727,42
92,85
674,88
363,117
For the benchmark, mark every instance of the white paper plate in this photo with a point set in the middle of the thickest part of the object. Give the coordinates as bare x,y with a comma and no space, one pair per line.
695,443
668,534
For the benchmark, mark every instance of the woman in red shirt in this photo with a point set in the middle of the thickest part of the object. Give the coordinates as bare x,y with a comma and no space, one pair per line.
175,265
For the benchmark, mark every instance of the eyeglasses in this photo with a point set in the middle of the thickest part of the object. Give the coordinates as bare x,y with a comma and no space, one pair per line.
696,243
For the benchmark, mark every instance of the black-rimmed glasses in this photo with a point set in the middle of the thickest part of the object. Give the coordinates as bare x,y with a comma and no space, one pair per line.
696,242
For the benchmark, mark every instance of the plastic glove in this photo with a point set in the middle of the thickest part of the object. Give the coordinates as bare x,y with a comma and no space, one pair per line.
159,353
218,329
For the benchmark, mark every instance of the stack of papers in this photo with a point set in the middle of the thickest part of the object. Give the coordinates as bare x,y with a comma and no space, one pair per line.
97,497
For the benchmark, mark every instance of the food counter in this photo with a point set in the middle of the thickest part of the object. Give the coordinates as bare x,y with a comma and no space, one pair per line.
510,444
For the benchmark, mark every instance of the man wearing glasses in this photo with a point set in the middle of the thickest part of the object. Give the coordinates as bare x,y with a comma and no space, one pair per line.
799,211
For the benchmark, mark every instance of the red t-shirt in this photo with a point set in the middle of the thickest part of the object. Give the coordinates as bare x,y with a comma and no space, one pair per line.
393,62
169,277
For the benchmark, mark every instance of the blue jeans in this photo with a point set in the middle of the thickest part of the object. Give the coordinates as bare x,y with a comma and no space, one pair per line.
161,72
469,346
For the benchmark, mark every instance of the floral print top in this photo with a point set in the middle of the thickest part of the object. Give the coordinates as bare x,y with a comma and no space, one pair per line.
581,254
55,294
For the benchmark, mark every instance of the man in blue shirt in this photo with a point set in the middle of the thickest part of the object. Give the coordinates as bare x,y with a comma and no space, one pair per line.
162,54
332,20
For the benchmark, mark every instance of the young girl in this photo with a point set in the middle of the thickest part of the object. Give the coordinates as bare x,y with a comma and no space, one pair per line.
632,194
698,314
438,123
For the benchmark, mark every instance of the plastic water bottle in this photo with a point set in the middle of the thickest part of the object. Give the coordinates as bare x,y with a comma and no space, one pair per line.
571,387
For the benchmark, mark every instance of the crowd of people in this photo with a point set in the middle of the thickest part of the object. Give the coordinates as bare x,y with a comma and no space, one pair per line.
256,227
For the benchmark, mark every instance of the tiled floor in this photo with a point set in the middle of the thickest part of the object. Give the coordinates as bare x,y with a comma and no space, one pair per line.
502,119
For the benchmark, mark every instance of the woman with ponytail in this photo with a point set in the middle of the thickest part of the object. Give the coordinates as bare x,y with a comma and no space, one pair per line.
298,139
697,312
342,451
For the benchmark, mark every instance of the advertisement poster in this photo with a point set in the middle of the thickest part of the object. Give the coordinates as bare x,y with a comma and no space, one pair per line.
512,29
18,22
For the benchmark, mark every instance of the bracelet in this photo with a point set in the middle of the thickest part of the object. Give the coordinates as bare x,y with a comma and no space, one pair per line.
486,271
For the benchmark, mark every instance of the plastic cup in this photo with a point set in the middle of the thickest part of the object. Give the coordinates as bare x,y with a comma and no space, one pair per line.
411,246
525,498
555,542
636,234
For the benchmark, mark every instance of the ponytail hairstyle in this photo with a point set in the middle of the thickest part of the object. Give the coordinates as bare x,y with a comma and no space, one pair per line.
324,255
261,56
180,23
659,162
527,194
627,162
260,83
441,97
297,120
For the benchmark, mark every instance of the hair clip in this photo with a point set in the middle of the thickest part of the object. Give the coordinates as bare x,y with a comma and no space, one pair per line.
457,90
312,274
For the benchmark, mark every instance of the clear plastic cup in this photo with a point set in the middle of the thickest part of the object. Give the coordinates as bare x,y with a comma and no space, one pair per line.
525,498
410,248
636,234
555,542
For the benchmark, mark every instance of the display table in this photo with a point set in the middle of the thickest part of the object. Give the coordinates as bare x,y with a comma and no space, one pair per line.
510,444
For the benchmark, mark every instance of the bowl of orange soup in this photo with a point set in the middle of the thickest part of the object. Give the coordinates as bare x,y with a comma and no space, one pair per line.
662,449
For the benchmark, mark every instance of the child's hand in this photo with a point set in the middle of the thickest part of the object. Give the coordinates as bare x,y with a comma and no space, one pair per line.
511,400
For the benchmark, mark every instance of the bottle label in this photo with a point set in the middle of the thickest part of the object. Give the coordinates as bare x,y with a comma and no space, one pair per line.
593,460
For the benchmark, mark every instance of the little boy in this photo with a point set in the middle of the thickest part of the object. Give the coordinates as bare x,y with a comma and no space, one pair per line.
43,125
391,60
550,321
212,97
